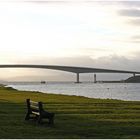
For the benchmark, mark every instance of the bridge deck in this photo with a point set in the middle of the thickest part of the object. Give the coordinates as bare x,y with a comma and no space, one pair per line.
72,69
69,68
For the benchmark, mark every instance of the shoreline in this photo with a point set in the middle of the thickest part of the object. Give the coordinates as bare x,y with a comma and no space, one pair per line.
62,94
106,91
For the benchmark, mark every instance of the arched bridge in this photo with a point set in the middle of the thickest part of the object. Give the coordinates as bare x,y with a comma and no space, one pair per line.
72,69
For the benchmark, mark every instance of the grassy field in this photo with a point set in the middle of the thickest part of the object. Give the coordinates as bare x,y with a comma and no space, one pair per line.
75,117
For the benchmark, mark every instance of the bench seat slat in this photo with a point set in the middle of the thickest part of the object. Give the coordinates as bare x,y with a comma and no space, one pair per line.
33,106
36,113
33,102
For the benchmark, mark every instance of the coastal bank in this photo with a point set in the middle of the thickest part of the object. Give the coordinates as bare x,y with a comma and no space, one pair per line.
76,117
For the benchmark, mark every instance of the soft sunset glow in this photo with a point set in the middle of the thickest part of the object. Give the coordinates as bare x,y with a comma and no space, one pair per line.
50,31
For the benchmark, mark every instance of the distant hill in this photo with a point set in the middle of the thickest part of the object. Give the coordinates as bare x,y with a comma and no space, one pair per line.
134,79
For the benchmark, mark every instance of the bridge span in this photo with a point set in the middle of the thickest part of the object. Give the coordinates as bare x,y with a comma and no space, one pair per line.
73,69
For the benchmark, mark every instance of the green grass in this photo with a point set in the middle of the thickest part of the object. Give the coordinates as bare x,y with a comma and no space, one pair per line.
75,117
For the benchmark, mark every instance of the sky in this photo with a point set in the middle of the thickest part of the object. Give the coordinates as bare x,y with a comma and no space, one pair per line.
98,34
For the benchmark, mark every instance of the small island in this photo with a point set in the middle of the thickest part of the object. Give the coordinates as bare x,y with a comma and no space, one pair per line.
133,79
43,82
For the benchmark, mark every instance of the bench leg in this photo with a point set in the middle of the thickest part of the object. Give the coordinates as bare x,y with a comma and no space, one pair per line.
27,116
36,117
39,119
51,120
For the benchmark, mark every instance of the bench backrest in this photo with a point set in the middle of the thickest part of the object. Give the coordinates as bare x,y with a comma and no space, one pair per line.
34,107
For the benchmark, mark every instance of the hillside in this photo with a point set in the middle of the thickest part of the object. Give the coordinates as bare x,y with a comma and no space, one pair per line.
134,79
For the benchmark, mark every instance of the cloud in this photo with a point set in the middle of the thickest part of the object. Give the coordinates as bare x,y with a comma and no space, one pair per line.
135,41
136,37
106,62
130,3
64,61
135,22
48,1
130,12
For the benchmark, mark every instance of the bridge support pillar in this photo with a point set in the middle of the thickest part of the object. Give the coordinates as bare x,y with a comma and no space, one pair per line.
95,81
77,76
134,74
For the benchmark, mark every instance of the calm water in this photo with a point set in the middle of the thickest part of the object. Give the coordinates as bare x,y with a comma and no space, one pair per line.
123,91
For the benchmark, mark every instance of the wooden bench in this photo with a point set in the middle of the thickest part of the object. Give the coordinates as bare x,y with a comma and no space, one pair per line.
36,111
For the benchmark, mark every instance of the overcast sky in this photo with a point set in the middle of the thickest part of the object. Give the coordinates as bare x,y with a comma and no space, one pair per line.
95,34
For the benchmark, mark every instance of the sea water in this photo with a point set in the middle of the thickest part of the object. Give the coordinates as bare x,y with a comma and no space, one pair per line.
121,91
